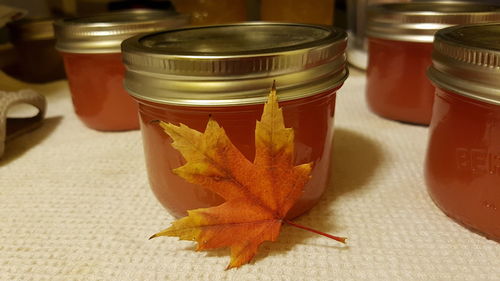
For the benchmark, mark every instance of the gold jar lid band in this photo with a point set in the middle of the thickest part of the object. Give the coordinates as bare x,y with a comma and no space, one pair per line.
104,33
466,60
234,64
419,21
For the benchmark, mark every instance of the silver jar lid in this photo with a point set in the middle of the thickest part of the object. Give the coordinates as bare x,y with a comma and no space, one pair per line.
466,60
234,64
105,32
419,21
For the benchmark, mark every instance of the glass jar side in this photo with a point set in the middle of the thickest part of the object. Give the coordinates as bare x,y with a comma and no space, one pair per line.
462,167
311,118
98,95
397,87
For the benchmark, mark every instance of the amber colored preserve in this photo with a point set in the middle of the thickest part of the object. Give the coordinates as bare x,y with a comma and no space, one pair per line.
462,167
397,87
400,46
99,99
311,118
90,47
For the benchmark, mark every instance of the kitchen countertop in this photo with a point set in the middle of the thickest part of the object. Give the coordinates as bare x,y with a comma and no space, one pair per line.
75,204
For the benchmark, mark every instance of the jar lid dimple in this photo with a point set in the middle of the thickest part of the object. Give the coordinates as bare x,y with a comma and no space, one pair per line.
419,21
104,33
234,64
466,60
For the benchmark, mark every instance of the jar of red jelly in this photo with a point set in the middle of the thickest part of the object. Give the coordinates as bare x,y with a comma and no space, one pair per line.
400,39
463,159
226,71
36,60
90,47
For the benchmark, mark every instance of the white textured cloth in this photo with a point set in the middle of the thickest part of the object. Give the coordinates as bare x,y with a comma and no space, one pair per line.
75,204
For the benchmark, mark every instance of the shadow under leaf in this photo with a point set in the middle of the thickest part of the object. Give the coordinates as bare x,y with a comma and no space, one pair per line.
355,160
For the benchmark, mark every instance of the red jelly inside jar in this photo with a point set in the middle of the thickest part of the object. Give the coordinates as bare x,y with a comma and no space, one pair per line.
90,47
96,85
463,161
226,72
397,87
462,167
400,37
312,121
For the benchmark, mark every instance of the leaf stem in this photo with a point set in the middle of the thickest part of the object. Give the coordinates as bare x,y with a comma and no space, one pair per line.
340,239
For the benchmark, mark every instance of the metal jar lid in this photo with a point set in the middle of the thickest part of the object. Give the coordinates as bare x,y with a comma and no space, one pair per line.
30,29
234,64
419,21
466,60
105,32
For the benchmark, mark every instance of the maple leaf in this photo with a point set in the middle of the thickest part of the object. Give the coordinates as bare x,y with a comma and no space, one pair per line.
257,195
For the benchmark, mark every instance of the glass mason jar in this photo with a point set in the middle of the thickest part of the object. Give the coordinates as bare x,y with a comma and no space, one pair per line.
462,167
226,72
36,60
400,39
90,47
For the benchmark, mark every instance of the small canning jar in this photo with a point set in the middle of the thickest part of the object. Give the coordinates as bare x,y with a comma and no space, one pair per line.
226,71
90,47
400,39
36,60
462,167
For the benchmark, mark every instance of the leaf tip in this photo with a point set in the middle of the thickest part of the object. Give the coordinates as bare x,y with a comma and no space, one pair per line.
163,124
273,94
232,265
153,236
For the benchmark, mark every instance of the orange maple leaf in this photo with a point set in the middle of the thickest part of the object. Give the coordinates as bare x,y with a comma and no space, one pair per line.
257,195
